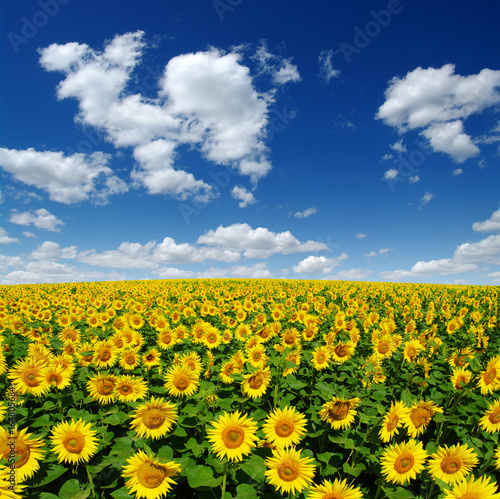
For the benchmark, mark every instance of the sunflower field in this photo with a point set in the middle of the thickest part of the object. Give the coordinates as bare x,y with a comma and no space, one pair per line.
246,389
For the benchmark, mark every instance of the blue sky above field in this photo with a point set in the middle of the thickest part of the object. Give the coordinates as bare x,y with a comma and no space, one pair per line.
238,138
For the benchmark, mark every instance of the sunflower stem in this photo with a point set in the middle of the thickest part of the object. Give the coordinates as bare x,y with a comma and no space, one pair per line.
379,489
224,480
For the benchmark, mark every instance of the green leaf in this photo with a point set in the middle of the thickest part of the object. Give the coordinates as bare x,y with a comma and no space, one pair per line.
121,494
42,421
48,495
255,468
53,473
400,493
201,476
71,488
115,419
356,471
245,491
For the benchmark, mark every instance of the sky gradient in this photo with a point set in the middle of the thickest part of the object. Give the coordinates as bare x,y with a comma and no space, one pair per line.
238,138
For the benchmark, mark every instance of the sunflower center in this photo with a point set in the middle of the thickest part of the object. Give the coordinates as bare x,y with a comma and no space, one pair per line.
403,463
392,422
284,428
22,453
411,352
154,418
130,359
104,354
255,382
233,437
125,389
150,475
461,361
494,417
31,377
74,442
256,356
341,351
104,386
451,464
339,411
55,378
181,381
212,338
420,417
288,470
229,370
290,339
320,358
460,379
383,347
490,375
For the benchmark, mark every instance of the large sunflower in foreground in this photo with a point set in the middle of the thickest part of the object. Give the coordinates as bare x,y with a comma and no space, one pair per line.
26,376
74,442
27,452
403,462
482,488
232,436
289,472
147,477
321,358
339,412
154,418
393,420
339,489
489,379
284,427
255,385
490,421
181,381
452,464
421,414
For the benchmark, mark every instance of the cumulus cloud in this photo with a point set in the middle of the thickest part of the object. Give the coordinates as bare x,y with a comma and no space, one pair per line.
279,68
5,239
41,218
414,179
381,251
437,101
67,179
326,69
457,171
318,264
398,146
360,235
390,174
306,213
426,198
490,225
245,197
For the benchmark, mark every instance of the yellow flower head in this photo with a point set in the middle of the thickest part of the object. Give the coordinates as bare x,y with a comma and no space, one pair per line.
393,420
452,464
403,462
74,442
284,427
482,488
339,489
154,418
490,421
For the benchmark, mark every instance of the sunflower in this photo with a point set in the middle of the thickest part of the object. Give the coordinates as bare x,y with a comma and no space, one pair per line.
489,379
3,410
74,442
147,477
497,458
25,449
27,377
482,488
284,427
69,333
321,358
292,358
257,356
490,421
255,385
402,462
460,377
56,375
460,357
102,388
336,490
154,418
420,416
288,471
7,487
105,354
192,362
212,337
384,346
130,388
393,420
411,350
180,381
290,337
232,436
339,413
226,370
452,464
151,358
85,353
342,352
129,359
166,339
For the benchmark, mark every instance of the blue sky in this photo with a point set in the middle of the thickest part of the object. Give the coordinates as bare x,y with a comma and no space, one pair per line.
238,138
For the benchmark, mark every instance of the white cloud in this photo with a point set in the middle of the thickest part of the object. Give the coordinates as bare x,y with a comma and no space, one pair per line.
387,157
257,271
360,235
67,179
279,68
47,251
28,234
241,194
41,218
173,273
426,198
437,101
353,274
371,254
318,264
491,225
414,179
5,239
398,146
457,171
306,213
381,251
326,69
257,243
390,174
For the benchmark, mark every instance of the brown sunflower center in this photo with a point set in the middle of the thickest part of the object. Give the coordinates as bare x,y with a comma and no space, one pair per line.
284,428
181,381
255,382
125,389
150,475
489,375
420,416
212,338
74,442
154,418
341,350
290,339
403,463
494,417
31,377
55,378
392,422
233,437
22,454
104,386
288,470
320,358
451,464
104,354
460,379
383,347
411,352
130,359
256,356
339,411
